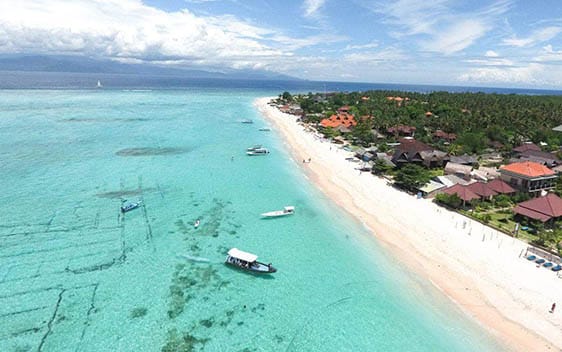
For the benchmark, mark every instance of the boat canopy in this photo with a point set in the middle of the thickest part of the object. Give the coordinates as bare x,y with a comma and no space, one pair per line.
245,256
289,208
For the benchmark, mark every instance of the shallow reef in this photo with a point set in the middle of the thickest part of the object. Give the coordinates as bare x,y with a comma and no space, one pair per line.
151,151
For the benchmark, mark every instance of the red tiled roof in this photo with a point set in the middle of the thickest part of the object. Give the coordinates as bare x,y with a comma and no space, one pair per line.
401,129
408,145
526,147
444,135
341,119
482,189
542,208
463,192
500,186
528,168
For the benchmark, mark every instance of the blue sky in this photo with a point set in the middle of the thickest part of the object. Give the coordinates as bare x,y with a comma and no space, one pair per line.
508,43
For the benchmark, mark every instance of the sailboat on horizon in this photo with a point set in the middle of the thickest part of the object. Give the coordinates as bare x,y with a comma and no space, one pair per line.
99,84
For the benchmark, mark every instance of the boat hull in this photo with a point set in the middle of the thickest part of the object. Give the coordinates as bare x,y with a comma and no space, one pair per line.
255,267
275,214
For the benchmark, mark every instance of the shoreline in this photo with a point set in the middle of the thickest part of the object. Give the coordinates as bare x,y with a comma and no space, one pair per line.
476,267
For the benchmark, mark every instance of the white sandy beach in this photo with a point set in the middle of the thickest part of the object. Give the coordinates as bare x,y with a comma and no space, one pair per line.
477,267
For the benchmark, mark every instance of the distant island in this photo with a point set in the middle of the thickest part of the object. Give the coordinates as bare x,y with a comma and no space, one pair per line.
81,64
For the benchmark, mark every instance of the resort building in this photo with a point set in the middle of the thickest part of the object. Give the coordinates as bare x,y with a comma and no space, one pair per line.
528,176
342,118
444,136
401,130
464,159
460,170
463,192
543,209
525,147
485,173
547,159
482,189
412,151
500,187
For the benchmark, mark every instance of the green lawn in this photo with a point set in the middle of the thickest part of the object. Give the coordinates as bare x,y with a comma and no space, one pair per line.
503,223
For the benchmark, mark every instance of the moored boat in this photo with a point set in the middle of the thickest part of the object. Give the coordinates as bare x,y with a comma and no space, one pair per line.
259,151
130,206
247,121
254,147
265,129
288,210
247,261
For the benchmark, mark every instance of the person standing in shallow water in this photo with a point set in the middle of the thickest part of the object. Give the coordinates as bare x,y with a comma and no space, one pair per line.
553,307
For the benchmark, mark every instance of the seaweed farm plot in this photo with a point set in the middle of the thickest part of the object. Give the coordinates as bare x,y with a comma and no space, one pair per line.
50,273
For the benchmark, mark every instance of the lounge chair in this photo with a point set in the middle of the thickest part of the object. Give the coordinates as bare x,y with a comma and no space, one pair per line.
531,257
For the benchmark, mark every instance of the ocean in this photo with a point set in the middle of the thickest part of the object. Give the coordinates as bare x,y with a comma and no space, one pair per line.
77,275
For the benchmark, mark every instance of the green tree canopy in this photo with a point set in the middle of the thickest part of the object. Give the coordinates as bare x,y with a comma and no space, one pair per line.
412,176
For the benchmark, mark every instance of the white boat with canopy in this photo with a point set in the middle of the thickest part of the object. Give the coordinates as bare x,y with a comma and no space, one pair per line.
288,210
247,261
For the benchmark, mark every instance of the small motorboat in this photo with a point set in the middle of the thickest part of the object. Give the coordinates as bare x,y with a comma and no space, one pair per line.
532,257
265,129
547,265
259,151
254,147
557,268
288,210
130,206
540,261
247,121
197,223
247,261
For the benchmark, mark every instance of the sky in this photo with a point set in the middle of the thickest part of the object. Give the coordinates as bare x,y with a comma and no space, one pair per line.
502,43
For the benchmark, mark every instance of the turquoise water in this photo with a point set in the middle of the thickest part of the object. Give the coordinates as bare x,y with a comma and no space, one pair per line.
76,275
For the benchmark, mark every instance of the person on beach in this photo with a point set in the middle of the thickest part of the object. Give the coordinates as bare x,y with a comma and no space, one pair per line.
553,307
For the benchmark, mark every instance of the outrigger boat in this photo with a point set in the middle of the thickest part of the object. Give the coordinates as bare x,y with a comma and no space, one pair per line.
259,151
130,206
288,210
247,261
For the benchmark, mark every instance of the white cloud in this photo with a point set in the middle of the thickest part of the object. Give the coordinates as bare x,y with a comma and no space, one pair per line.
131,30
457,37
389,54
413,16
532,74
370,45
437,26
491,53
311,7
493,61
548,54
537,36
